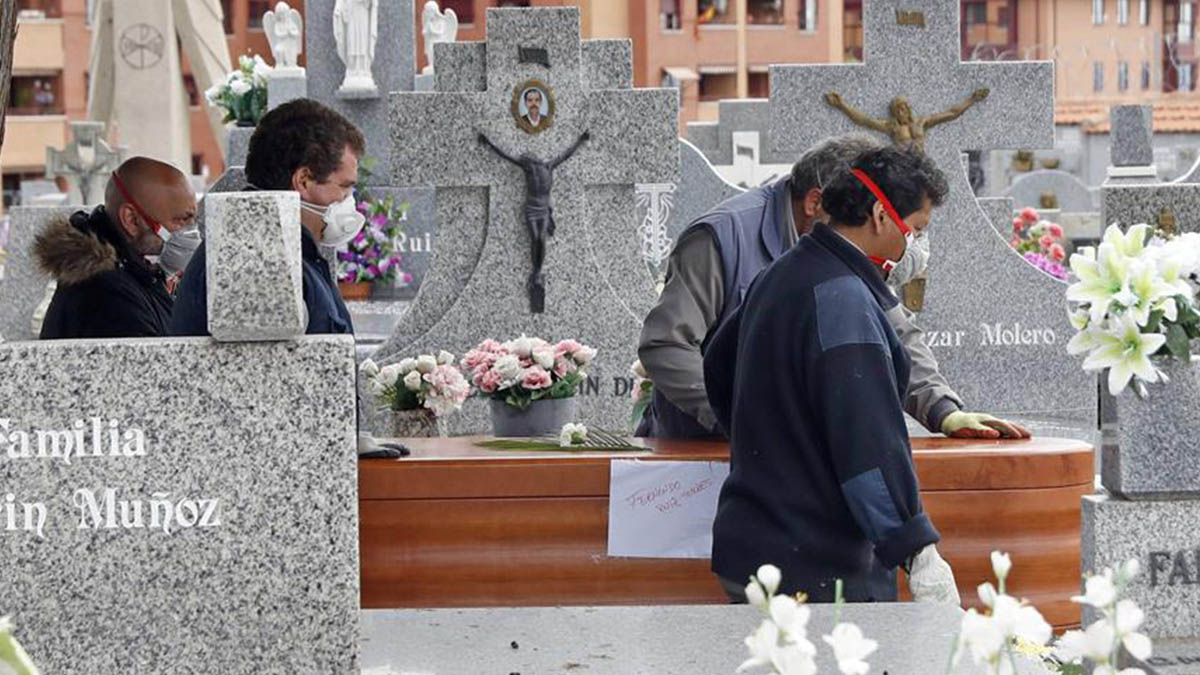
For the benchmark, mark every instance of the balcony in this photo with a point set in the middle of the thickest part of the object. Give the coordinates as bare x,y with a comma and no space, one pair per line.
39,46
26,138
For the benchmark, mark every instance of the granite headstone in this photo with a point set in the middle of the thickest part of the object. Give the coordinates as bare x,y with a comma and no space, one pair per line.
666,209
23,285
1070,194
715,139
597,287
1131,145
393,70
1156,204
1163,537
997,325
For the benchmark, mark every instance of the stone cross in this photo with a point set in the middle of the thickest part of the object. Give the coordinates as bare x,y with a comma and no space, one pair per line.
597,287
997,325
657,199
85,162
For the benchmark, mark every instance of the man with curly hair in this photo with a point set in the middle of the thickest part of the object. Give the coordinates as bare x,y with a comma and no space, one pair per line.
311,149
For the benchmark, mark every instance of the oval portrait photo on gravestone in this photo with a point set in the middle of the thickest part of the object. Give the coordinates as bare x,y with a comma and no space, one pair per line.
533,106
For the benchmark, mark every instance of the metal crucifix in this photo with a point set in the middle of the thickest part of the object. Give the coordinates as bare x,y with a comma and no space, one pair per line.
539,215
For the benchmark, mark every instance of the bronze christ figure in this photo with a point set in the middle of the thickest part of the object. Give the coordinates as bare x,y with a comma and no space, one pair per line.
539,216
905,130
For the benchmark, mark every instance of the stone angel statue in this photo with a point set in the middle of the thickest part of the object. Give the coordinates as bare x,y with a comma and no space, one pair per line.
905,129
356,29
436,26
285,32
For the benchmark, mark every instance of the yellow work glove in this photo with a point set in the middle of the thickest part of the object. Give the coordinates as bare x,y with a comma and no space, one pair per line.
959,424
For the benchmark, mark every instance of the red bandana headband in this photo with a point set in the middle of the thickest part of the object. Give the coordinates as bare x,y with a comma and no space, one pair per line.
887,204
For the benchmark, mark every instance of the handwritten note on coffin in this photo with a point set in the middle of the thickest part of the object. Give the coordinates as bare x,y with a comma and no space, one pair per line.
663,509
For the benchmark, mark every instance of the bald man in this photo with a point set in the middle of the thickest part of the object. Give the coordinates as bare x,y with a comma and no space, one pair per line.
113,265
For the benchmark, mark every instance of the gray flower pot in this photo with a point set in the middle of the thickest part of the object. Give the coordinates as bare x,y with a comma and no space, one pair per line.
542,418
1150,447
420,423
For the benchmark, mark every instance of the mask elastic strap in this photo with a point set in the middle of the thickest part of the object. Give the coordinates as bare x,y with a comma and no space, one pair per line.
887,204
162,232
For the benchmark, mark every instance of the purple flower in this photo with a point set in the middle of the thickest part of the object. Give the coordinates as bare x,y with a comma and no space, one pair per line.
345,256
360,238
362,207
373,270
379,220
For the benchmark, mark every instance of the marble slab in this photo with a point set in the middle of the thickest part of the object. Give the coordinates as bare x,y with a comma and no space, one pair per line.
23,285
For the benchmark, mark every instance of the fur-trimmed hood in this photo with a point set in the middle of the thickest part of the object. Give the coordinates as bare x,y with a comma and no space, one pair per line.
71,251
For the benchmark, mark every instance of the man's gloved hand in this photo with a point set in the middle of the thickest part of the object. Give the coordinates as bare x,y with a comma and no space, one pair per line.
930,578
370,448
959,424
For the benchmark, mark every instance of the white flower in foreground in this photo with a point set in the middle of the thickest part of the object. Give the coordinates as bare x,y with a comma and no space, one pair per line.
1001,564
522,346
1094,644
543,356
1018,620
769,576
508,367
762,644
789,615
1147,292
445,358
1129,619
378,388
572,434
584,355
368,368
1130,243
407,365
795,657
850,648
412,381
426,363
1098,591
1125,351
987,594
981,636
12,657
755,595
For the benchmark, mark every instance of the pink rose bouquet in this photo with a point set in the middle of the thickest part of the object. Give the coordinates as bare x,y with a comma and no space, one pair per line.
527,369
1038,242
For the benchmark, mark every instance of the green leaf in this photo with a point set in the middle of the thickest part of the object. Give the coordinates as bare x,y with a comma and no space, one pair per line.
1177,342
1154,322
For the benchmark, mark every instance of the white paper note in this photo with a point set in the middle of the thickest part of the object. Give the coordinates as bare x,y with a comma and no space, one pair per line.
663,509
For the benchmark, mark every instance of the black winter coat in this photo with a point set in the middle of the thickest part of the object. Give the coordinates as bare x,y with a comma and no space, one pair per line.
105,290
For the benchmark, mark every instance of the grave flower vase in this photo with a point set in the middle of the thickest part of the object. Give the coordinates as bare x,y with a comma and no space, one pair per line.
540,419
359,290
419,423
1148,447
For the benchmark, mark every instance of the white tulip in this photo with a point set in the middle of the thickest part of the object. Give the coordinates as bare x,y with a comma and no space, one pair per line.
412,381
426,364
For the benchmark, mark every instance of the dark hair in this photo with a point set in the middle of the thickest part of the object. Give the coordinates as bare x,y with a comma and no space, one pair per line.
299,133
906,177
821,164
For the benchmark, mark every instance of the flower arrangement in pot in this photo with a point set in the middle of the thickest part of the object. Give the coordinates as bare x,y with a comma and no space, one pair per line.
530,383
1040,243
243,93
373,256
416,392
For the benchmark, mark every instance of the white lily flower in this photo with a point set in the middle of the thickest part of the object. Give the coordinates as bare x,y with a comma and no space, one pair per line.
1130,243
1001,564
1100,279
1145,292
762,644
755,595
850,648
1125,351
1079,319
769,576
1099,591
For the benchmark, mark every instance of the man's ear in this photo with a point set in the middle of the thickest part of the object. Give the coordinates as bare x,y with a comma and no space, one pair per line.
126,220
812,202
302,179
879,217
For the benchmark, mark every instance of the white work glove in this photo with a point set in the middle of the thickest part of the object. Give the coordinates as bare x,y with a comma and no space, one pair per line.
930,578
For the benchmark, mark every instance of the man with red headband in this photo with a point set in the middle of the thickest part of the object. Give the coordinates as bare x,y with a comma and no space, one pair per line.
808,378
113,266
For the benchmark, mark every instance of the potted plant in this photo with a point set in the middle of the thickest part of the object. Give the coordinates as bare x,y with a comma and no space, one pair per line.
1136,315
243,94
415,393
1040,243
530,383
373,256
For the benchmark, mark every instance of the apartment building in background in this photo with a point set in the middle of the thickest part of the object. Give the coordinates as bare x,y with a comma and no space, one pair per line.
1105,51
